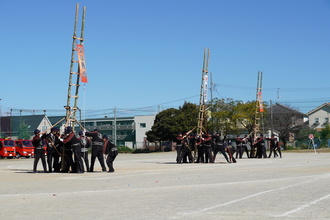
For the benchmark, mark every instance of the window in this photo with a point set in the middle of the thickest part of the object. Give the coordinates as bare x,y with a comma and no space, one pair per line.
143,125
317,120
326,120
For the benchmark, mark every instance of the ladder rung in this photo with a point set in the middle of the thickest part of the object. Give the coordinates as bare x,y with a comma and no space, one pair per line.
74,96
74,73
74,85
78,38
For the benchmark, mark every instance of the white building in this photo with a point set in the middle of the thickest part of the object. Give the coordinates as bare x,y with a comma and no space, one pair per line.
319,117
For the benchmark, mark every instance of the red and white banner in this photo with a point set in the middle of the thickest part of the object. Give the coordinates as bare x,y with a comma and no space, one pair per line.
82,63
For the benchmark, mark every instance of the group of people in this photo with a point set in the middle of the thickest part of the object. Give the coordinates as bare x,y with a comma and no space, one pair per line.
68,152
207,146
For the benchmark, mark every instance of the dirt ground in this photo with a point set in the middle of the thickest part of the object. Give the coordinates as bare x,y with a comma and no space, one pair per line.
153,186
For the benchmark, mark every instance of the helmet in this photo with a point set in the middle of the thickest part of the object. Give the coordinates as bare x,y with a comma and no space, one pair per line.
36,131
105,137
68,129
96,129
81,133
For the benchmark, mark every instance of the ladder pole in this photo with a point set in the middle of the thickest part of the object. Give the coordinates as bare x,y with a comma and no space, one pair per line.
78,76
68,108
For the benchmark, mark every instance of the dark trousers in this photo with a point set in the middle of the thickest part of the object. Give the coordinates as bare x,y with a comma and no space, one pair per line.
84,156
244,148
97,152
77,158
179,153
68,162
109,161
217,149
50,152
239,151
208,154
279,151
200,154
56,163
39,153
186,154
271,150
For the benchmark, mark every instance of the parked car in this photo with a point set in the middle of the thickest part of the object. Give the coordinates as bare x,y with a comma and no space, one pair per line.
24,148
7,148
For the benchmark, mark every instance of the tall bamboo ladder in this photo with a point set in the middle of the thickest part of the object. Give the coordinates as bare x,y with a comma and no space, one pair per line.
259,107
73,98
203,97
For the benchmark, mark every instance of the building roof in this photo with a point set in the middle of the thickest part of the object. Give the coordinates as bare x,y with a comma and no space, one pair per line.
318,108
32,121
288,109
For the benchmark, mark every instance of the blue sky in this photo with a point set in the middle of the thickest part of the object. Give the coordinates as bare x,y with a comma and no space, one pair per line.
149,53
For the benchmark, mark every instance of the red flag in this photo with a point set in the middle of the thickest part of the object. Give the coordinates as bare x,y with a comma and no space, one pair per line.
82,63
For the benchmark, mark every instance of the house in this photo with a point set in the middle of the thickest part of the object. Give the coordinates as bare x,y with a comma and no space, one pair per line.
318,118
11,125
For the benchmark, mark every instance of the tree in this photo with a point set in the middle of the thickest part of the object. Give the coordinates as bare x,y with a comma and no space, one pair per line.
170,122
223,116
23,131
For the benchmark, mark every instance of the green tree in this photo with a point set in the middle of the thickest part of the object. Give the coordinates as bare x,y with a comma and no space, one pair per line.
170,122
23,131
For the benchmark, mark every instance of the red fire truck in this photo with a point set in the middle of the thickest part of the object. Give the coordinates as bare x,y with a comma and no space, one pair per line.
7,148
24,148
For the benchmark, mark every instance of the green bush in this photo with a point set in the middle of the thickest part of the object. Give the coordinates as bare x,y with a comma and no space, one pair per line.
145,150
124,149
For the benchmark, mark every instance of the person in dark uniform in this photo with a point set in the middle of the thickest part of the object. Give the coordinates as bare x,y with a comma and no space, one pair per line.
72,139
111,151
39,152
58,152
244,146
277,147
68,164
272,146
97,149
260,145
186,150
230,149
207,142
239,148
52,142
85,143
179,145
200,149
219,146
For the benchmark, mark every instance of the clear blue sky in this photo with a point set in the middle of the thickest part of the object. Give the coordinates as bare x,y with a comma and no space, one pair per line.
142,53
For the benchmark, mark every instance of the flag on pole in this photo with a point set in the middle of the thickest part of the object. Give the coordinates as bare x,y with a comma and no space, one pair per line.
82,63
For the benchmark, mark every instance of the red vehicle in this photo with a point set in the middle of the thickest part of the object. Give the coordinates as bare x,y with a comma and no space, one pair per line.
24,148
7,148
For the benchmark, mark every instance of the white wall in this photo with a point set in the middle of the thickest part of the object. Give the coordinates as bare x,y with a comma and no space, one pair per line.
140,130
321,115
